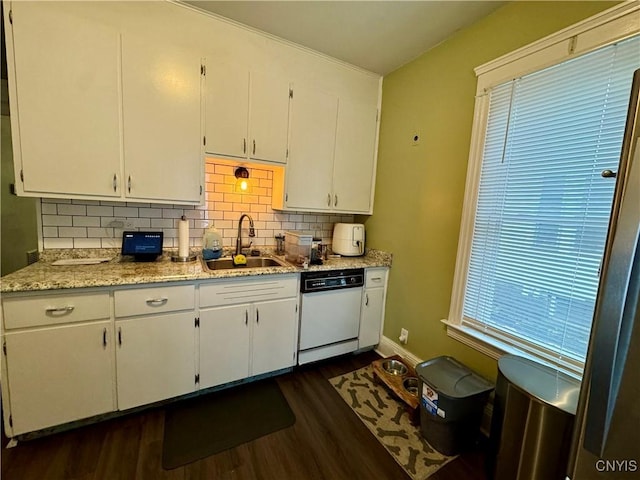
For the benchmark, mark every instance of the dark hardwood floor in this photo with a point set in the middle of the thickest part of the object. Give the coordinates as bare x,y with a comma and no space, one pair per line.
328,441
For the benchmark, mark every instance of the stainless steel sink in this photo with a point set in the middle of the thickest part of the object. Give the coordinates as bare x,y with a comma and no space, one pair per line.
252,262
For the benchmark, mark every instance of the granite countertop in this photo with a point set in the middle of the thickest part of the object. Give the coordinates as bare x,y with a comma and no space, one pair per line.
42,275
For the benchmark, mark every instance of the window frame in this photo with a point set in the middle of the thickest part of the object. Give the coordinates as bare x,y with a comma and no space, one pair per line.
610,26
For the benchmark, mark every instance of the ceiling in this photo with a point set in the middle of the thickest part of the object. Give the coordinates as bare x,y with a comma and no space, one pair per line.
379,36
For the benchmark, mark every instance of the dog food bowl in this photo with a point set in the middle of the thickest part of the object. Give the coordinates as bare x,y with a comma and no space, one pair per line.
411,385
394,367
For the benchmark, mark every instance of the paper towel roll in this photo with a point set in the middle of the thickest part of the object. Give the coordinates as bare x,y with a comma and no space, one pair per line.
183,237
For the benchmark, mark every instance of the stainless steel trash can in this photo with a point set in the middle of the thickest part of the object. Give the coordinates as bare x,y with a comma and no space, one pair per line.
452,399
533,415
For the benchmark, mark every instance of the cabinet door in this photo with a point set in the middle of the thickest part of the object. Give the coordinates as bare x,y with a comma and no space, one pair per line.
269,118
371,317
226,109
155,358
224,344
354,162
59,375
67,123
162,121
311,149
274,335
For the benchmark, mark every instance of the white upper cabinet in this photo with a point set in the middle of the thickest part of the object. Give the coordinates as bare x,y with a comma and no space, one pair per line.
162,120
65,102
247,113
226,109
269,118
332,141
311,148
354,162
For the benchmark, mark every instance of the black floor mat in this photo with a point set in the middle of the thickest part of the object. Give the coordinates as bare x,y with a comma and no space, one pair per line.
202,426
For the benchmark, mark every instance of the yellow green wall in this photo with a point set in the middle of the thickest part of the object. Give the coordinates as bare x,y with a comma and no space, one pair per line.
420,189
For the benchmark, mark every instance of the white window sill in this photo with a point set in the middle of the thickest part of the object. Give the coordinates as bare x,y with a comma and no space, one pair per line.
495,349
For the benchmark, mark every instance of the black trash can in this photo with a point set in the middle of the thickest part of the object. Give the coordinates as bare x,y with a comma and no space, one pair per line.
452,399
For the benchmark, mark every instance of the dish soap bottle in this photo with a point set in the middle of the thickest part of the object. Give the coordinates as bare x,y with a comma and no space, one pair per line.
211,244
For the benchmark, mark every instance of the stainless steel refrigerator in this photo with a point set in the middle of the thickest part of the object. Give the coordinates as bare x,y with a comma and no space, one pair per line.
606,441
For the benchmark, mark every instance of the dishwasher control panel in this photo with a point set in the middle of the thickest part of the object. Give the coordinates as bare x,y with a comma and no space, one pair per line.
331,280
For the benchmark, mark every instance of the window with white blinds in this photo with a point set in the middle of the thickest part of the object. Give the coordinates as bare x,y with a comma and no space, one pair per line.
543,208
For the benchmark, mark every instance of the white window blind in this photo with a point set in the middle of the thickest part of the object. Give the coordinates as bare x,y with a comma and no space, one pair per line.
543,207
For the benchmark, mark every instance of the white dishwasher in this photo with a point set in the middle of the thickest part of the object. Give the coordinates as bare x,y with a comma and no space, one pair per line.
330,314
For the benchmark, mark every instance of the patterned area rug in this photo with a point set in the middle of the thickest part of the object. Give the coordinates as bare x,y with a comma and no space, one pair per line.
388,420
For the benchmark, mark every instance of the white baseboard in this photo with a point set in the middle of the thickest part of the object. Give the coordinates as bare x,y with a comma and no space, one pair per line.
388,347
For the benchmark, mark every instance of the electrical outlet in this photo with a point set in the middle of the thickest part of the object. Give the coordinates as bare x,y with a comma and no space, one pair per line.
404,335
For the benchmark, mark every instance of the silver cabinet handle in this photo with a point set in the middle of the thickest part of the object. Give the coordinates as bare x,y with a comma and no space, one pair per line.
376,279
257,316
244,145
254,146
155,302
246,317
335,203
115,182
104,338
60,310
366,303
119,335
328,199
129,184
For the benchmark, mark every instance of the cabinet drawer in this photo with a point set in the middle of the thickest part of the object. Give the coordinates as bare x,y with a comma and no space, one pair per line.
143,301
54,309
375,277
228,292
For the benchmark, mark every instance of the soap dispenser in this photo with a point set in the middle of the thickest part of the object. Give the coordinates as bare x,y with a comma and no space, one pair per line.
211,244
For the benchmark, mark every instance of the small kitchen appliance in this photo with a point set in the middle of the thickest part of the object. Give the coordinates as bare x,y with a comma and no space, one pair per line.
144,246
348,239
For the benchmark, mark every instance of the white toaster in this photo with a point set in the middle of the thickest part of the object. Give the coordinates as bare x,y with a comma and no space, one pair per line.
348,239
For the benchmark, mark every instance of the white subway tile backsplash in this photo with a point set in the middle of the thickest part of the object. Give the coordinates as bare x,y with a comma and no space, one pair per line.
150,212
57,242
87,243
172,213
50,232
79,221
72,232
161,223
49,209
72,209
93,224
56,220
125,211
99,211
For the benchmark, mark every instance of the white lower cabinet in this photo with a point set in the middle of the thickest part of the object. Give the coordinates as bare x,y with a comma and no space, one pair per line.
250,337
372,308
155,349
245,340
155,358
58,375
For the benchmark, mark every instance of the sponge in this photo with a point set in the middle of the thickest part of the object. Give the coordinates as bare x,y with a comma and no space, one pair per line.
239,260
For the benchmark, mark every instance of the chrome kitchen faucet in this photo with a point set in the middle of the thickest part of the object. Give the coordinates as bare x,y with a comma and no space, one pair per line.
252,233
